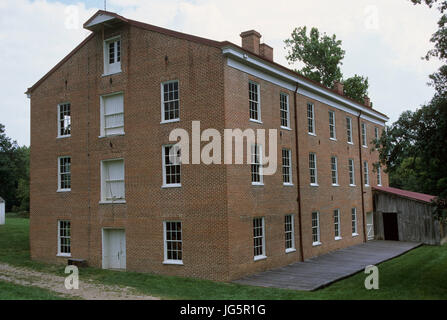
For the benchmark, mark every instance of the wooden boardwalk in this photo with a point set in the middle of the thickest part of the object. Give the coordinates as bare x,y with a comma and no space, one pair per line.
321,271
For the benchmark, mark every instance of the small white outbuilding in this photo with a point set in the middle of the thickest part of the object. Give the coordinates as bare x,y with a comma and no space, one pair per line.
2,211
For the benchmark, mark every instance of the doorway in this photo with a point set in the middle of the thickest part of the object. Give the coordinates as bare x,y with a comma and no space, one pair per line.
113,249
390,226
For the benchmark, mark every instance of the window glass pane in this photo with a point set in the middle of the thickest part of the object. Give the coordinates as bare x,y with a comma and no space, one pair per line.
173,242
64,119
171,101
253,100
64,173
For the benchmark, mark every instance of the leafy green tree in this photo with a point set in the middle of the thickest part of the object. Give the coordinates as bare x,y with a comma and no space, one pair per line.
14,172
321,55
356,87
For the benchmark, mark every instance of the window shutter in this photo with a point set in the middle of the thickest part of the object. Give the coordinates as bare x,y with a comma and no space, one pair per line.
114,114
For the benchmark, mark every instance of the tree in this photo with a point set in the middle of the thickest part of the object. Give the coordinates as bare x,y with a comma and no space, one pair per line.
356,87
414,149
320,54
14,172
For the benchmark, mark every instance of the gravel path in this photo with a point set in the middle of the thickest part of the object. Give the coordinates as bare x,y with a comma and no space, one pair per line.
88,290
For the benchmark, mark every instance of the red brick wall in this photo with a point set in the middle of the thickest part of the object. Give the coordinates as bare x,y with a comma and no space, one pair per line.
216,203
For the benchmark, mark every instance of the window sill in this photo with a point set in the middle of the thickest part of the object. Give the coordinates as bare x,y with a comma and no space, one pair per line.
111,135
259,184
288,184
314,185
64,255
366,185
170,121
173,262
316,244
256,121
352,185
286,128
366,147
351,143
62,137
167,186
111,73
63,190
113,202
355,234
338,238
379,185
258,258
333,139
290,250
335,185
312,134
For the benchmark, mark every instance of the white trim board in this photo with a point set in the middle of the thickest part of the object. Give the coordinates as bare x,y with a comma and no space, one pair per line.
275,76
99,19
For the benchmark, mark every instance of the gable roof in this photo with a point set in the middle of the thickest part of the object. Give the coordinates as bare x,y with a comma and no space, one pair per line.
105,17
406,194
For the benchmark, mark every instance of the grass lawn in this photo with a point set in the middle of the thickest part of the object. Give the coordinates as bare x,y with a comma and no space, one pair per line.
419,274
9,291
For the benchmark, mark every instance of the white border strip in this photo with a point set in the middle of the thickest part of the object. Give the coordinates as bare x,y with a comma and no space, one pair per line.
275,77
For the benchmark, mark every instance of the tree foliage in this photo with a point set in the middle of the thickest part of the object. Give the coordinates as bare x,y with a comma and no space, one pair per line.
14,173
356,87
321,55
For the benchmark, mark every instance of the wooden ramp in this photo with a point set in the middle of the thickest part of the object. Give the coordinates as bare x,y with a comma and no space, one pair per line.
321,271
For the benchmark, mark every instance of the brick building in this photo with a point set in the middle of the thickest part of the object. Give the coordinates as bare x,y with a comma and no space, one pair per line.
103,188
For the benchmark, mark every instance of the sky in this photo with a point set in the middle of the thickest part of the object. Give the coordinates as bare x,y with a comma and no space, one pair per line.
384,40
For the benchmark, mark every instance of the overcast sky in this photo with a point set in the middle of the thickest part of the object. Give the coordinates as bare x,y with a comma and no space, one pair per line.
383,39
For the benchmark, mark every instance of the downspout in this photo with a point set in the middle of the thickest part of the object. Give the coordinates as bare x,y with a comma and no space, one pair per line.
298,199
361,177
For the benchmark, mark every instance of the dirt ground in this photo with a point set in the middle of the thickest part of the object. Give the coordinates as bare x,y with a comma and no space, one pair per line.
87,290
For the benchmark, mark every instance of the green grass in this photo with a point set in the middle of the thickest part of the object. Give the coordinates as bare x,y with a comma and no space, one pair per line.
9,291
419,274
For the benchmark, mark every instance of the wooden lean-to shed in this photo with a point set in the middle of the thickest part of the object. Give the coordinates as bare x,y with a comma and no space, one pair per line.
402,215
2,211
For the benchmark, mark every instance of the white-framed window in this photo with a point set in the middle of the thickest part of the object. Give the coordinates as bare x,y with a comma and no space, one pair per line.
287,167
311,118
354,221
364,138
112,55
259,238
112,181
254,98
112,114
256,165
366,173
376,133
379,176
170,101
284,110
316,228
351,172
171,155
349,129
64,238
332,132
173,245
313,169
337,232
63,120
289,232
334,171
64,173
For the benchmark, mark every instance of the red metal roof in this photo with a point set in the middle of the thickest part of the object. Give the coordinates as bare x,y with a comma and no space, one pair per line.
406,194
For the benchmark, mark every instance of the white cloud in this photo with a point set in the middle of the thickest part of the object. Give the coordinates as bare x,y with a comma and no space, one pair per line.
383,40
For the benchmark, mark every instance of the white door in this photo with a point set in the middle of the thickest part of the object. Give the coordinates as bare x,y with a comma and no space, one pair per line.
114,249
370,225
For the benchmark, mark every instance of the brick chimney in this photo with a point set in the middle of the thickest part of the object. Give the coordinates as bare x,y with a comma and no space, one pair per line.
251,40
339,87
367,101
266,51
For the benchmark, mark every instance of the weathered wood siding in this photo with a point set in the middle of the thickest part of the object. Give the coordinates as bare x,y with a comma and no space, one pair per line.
415,219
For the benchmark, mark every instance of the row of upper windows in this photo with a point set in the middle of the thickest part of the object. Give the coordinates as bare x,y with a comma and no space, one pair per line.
113,184
112,175
332,127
